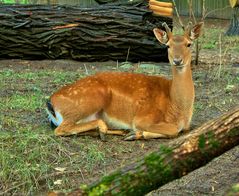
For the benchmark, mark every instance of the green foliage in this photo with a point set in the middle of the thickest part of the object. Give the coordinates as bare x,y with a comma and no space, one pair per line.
235,188
208,141
202,142
209,45
234,132
212,141
234,191
14,1
99,190
157,165
26,102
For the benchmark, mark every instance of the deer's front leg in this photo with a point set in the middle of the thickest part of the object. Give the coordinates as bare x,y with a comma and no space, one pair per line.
147,128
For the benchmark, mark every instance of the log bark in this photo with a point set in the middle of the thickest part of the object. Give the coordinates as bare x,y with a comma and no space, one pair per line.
106,32
181,156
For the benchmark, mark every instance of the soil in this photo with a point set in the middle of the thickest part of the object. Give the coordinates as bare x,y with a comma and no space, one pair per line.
216,178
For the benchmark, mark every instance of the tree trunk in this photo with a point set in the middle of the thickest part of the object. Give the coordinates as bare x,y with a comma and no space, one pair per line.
234,25
106,32
181,156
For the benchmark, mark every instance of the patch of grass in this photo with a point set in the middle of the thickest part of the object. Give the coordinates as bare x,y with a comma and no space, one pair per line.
24,102
234,42
198,107
28,76
209,39
10,123
29,157
93,155
25,157
209,45
29,154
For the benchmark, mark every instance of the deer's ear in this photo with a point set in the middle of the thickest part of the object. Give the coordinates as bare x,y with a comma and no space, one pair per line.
195,32
160,35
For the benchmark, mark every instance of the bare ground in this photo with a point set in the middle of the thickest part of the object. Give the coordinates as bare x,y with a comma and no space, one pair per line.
215,178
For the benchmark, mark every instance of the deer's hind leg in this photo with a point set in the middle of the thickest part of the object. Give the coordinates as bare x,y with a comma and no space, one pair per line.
67,128
72,124
70,128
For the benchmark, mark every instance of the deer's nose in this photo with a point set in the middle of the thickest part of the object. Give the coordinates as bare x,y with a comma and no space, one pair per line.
177,61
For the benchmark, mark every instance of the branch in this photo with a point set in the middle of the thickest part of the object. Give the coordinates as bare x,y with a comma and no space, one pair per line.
179,18
192,15
219,9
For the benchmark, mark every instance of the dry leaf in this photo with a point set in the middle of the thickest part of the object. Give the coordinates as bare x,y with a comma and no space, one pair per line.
58,182
60,169
142,146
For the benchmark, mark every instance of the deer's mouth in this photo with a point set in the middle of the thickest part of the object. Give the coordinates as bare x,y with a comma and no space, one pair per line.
180,66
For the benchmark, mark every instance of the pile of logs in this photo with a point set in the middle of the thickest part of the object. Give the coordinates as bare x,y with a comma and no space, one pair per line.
106,32
161,8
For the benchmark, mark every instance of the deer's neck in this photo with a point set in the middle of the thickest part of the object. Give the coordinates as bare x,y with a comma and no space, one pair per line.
182,89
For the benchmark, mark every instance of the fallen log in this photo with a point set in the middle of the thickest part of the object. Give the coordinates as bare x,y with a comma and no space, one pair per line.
120,31
181,156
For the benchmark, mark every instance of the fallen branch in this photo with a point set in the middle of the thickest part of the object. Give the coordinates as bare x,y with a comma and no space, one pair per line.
181,156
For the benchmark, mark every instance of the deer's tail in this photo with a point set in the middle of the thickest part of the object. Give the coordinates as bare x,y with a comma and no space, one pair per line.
54,117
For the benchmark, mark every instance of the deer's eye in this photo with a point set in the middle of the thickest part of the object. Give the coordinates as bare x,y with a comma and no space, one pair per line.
189,44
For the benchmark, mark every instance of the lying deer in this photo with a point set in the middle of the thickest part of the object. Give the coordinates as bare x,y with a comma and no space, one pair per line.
147,106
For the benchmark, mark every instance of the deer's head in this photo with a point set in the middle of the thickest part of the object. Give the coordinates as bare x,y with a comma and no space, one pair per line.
179,52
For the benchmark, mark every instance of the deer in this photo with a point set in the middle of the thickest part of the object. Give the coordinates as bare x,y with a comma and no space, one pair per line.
136,106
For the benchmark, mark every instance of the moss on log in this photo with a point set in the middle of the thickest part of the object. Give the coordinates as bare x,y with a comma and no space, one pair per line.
106,32
181,156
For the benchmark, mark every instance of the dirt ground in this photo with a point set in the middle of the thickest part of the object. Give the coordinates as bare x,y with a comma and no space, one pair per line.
215,178
217,91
